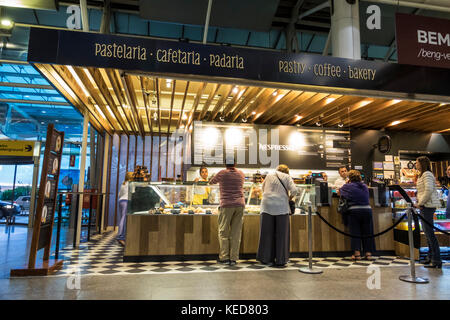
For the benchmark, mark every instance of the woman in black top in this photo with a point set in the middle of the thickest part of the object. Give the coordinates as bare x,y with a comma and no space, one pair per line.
360,214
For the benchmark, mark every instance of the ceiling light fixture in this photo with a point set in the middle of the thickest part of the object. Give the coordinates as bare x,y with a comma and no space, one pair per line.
184,117
395,123
155,116
235,90
329,100
6,23
222,118
297,117
275,93
253,113
396,101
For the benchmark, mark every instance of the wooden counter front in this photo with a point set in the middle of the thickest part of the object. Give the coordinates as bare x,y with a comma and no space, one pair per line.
177,237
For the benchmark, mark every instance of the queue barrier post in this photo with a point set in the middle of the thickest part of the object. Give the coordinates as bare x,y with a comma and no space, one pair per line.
412,278
310,268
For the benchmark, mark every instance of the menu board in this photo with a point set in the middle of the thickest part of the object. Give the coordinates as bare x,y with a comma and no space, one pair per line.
46,204
263,146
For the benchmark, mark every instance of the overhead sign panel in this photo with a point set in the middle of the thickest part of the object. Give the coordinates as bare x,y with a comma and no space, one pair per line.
423,41
180,58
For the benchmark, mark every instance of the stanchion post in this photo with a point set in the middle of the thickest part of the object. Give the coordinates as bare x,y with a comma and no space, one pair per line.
58,228
412,278
310,268
90,217
75,228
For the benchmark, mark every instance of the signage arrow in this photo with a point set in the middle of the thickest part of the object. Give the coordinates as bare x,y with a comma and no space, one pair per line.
28,148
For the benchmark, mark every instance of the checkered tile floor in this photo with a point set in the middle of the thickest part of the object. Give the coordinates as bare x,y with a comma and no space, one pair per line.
103,256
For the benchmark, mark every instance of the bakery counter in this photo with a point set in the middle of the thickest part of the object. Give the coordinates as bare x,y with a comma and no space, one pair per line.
165,237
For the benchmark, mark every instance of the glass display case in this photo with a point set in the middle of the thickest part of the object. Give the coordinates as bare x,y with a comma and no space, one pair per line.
399,206
201,198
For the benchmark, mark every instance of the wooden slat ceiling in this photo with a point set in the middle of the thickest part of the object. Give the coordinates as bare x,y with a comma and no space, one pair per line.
141,105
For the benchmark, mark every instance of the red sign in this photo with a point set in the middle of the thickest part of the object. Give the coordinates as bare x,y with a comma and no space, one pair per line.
423,41
72,161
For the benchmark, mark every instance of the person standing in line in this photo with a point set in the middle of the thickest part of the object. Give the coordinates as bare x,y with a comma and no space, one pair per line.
274,236
343,178
123,207
231,211
360,215
428,201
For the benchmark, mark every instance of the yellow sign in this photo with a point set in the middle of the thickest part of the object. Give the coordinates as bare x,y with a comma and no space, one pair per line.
16,148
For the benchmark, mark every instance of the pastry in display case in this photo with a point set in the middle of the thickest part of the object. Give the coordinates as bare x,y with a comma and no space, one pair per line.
201,198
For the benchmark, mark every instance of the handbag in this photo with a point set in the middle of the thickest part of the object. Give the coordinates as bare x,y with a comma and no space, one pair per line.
342,206
291,202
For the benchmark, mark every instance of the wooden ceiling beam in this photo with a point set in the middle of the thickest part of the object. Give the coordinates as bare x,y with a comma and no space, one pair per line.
206,105
132,102
103,89
362,114
379,118
343,100
180,118
50,73
232,104
264,98
66,76
407,115
145,97
111,74
304,103
171,105
279,103
243,105
157,89
424,118
221,101
196,102
333,117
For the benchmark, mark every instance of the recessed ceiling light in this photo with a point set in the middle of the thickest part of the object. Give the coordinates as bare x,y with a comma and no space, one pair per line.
253,113
184,117
297,117
329,100
275,93
6,23
396,101
395,123
235,90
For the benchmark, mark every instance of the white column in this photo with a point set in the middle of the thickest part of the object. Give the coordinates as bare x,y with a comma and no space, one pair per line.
81,181
345,38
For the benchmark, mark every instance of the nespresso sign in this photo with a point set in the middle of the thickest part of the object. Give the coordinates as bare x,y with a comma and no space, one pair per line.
423,41
86,49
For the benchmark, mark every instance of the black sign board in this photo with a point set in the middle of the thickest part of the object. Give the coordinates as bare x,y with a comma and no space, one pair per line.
45,209
263,146
173,57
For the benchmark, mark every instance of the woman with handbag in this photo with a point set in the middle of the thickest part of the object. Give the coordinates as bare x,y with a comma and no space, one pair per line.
278,190
359,214
428,201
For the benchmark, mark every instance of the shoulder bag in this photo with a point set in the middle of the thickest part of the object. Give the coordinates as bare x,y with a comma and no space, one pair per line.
291,202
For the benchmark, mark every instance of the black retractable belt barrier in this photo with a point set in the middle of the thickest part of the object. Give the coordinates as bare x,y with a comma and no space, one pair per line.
310,269
362,237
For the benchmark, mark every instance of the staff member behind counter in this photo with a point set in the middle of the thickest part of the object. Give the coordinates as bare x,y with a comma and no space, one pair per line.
201,193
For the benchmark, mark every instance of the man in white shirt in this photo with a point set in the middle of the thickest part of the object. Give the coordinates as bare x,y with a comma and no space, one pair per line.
343,173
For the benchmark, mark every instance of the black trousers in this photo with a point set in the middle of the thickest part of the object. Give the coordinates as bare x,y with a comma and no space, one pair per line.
361,224
434,252
274,239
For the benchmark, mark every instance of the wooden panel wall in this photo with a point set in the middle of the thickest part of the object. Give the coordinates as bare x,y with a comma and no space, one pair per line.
154,235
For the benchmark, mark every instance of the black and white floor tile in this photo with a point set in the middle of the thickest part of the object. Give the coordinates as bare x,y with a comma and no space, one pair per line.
103,256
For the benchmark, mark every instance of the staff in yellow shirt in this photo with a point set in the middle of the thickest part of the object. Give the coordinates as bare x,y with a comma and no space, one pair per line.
201,193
